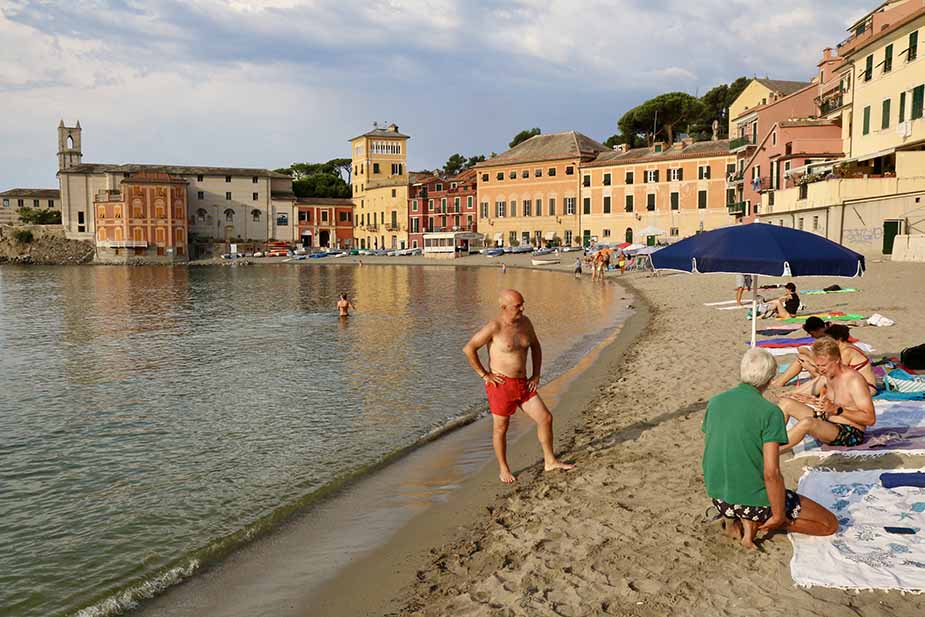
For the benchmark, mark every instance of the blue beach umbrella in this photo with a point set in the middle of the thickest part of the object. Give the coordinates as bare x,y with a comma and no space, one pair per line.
760,249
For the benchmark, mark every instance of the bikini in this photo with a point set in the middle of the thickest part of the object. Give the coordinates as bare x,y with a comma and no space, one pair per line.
858,368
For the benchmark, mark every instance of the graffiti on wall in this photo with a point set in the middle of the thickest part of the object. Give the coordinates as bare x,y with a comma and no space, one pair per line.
864,235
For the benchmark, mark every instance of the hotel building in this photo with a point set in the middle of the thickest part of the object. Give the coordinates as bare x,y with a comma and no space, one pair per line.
441,204
380,188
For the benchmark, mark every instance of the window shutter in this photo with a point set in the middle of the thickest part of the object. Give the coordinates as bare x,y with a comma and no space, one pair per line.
645,177
706,172
680,173
656,175
902,106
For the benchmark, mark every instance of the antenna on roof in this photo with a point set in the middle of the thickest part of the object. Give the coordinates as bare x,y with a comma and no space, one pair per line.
375,124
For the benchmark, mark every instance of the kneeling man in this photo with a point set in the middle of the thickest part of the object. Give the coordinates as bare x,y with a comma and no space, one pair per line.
508,337
836,408
743,433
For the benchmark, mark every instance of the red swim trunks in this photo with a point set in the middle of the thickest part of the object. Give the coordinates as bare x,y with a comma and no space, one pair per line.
505,398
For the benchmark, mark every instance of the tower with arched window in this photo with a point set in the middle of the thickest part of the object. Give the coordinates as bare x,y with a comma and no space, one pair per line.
69,152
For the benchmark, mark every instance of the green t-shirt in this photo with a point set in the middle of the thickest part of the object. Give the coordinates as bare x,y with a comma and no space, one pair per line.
737,424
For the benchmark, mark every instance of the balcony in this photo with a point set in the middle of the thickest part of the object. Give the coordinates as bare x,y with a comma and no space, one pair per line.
736,209
372,228
832,104
392,227
735,178
124,244
740,143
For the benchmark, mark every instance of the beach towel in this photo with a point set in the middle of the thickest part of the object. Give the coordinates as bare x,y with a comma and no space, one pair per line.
781,330
898,479
900,427
819,292
719,303
792,342
736,307
826,317
862,554
784,351
899,396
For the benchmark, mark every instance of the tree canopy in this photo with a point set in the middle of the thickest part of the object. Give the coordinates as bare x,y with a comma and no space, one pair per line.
716,104
524,136
34,216
320,179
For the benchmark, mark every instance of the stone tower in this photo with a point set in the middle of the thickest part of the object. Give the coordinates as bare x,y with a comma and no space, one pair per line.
69,153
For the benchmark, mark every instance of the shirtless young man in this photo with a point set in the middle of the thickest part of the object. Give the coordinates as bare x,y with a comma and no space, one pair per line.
836,408
344,306
509,337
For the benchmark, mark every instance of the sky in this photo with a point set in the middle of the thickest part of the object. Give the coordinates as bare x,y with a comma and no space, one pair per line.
265,83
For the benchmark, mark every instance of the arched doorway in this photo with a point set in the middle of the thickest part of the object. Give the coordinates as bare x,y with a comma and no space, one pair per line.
324,238
629,235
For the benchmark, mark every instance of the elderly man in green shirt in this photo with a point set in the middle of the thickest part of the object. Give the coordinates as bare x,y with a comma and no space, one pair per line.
741,460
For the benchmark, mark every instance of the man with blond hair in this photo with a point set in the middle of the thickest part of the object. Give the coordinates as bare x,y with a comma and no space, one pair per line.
509,337
835,408
743,433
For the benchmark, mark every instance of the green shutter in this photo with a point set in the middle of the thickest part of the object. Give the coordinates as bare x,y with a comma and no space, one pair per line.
888,58
885,118
913,46
918,97
902,106
866,128
607,205
869,70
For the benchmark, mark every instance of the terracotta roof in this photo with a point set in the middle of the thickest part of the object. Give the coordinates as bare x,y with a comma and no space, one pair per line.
886,31
783,87
677,152
553,146
383,132
153,177
33,193
325,201
174,170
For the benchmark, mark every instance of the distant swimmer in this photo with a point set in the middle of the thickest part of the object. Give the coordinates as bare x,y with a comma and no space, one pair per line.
344,306
509,337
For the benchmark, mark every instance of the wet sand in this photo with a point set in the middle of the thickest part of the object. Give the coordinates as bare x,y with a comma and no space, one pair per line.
627,533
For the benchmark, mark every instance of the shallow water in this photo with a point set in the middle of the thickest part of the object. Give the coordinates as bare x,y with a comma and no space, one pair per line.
155,418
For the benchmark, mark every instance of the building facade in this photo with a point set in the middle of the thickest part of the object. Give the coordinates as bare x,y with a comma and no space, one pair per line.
380,188
758,93
442,204
679,189
530,194
324,223
15,200
145,219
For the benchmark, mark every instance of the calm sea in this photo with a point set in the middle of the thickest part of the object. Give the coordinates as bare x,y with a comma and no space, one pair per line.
154,419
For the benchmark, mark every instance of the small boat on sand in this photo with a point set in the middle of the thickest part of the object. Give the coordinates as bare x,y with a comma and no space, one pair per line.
543,262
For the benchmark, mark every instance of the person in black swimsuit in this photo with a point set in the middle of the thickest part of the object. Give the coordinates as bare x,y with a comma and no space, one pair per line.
786,306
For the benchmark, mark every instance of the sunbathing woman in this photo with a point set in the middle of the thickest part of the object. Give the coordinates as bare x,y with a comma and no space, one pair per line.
852,356
786,306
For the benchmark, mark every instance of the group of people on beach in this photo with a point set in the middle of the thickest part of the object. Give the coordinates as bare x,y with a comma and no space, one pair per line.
745,433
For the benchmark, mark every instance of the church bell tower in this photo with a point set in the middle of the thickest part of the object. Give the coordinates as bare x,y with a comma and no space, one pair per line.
69,153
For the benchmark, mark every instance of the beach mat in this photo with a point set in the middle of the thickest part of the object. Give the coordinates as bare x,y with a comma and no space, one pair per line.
783,351
862,554
826,317
782,330
820,292
900,427
791,342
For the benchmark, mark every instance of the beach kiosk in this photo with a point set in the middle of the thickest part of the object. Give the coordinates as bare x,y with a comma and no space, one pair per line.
451,244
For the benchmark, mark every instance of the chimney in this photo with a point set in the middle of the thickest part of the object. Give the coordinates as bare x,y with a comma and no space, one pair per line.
826,54
393,127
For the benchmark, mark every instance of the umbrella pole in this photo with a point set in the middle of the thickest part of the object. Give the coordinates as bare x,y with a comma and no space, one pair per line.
754,309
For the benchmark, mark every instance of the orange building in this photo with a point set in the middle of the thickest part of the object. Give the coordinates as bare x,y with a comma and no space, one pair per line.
325,222
145,219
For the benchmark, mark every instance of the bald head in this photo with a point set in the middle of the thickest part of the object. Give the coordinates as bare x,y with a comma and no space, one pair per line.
512,305
509,297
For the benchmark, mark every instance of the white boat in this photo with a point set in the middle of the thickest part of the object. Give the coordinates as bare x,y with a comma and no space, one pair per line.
543,262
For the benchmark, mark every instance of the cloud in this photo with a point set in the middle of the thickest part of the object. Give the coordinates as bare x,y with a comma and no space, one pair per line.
267,82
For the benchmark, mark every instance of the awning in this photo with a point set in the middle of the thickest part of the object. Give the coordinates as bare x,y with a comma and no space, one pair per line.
549,235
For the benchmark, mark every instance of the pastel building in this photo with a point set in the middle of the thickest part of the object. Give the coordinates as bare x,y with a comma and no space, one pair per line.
441,204
757,93
380,188
144,218
530,193
14,200
678,189
324,223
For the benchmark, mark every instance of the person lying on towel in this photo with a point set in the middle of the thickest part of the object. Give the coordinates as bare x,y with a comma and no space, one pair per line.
814,327
835,408
786,306
743,433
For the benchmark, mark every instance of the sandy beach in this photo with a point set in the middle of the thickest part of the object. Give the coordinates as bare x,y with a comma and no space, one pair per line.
627,533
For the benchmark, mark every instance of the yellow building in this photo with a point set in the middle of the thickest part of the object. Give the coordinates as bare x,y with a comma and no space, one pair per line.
529,194
759,92
380,188
679,190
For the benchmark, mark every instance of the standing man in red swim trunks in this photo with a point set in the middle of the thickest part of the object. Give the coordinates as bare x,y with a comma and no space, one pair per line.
509,337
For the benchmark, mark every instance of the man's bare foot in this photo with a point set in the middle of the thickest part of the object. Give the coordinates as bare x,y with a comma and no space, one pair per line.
507,477
749,529
733,529
558,465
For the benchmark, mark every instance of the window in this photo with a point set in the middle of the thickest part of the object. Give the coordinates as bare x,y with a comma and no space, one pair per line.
815,223
552,206
629,203
569,170
375,168
730,196
483,210
500,175
730,169
539,207
484,177
569,205
918,98
525,173
568,236
885,115
438,187
35,203
470,203
607,204
888,58
227,178
500,208
255,215
51,203
673,231
256,195
650,202
651,175
913,46
513,208
586,181
629,177
528,207
415,225
537,173
866,121
512,175
414,205
512,238
198,178
702,199
394,193
430,205
324,216
675,200
229,215
551,171
675,175
869,68
606,179
255,179
902,106
606,233
456,204
800,223
703,172
201,195
228,195
774,138
586,205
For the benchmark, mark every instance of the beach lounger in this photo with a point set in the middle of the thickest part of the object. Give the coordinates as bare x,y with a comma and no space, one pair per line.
873,548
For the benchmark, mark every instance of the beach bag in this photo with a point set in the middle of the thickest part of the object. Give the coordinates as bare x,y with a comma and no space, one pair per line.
899,380
913,357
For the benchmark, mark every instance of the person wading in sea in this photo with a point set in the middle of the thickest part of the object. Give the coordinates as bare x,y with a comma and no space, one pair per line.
344,306
508,337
